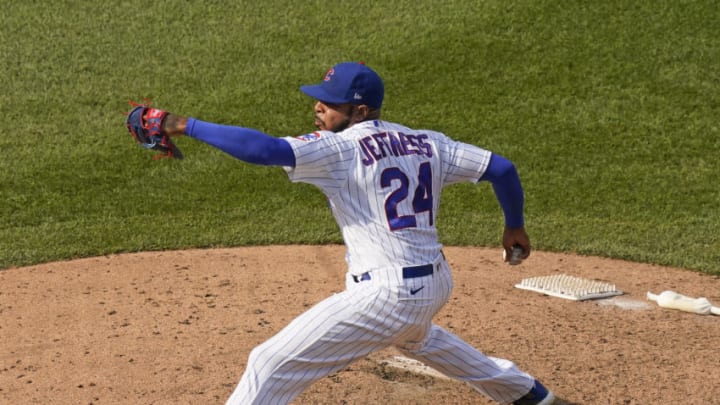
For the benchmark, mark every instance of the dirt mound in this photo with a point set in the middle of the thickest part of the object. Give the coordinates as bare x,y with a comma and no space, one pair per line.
177,327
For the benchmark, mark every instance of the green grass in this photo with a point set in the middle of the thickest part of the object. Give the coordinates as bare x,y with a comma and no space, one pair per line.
610,111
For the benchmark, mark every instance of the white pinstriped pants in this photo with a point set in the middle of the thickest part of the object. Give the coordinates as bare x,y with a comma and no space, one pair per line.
369,316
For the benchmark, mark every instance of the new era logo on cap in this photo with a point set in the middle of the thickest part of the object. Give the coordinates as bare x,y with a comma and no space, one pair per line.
349,82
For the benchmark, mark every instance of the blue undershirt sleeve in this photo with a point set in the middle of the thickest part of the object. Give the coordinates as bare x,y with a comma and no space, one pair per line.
508,190
246,144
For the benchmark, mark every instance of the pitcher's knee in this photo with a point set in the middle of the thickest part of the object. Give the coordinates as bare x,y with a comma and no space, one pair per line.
257,379
261,362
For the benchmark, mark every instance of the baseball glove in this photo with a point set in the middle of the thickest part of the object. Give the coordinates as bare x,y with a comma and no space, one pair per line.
145,125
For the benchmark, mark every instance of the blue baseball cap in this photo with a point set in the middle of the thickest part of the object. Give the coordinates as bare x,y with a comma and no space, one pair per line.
348,82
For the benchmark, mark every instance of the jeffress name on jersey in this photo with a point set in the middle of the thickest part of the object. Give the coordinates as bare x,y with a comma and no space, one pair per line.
384,144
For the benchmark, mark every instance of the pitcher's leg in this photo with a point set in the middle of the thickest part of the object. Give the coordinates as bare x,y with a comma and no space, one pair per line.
325,339
499,379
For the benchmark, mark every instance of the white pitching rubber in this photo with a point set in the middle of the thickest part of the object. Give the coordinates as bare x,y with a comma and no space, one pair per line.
673,300
569,287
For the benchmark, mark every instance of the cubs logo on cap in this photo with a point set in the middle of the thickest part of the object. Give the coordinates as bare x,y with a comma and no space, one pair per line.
348,82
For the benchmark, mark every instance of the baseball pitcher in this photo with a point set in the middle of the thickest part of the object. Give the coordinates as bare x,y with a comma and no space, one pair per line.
383,182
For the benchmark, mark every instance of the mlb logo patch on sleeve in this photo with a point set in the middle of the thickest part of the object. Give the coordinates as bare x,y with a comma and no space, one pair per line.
309,137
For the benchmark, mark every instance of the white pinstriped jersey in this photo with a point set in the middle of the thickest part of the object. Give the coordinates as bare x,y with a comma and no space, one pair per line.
383,182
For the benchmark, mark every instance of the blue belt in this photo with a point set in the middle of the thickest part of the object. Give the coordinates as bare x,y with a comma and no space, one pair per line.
408,272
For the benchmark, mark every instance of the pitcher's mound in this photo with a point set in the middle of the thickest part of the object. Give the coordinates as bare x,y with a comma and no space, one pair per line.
177,327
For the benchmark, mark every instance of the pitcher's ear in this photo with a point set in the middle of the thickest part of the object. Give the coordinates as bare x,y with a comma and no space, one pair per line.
361,112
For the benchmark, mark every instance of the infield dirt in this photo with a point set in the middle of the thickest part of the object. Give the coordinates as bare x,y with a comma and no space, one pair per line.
177,327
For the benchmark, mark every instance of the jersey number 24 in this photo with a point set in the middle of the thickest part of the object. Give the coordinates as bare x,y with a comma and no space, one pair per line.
422,198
